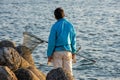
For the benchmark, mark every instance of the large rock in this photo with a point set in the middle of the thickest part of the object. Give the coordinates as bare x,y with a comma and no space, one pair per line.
6,74
38,73
14,61
10,57
25,74
30,73
59,74
7,43
26,54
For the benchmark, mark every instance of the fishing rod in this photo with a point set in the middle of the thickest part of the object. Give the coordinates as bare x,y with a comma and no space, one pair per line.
83,56
41,41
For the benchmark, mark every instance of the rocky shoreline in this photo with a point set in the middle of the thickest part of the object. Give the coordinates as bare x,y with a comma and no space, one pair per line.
17,63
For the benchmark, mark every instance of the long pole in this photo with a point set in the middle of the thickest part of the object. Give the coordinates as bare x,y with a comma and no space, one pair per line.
83,56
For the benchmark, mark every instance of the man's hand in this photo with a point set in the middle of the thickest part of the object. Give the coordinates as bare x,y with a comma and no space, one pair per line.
49,60
74,58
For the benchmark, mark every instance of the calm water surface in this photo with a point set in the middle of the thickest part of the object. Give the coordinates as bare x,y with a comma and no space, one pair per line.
97,24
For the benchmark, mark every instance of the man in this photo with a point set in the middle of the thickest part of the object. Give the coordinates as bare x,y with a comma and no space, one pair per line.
62,42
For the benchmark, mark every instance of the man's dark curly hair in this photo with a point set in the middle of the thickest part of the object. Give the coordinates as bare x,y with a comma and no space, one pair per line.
59,13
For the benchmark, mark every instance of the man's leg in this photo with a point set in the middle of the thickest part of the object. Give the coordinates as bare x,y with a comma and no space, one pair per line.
57,59
67,62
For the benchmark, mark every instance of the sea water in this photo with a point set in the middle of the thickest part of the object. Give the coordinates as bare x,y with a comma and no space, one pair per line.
97,24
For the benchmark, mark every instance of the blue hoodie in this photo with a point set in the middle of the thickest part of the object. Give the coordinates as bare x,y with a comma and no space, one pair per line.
62,37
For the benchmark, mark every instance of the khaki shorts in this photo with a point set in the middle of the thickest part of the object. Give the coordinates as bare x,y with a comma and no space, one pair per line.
63,59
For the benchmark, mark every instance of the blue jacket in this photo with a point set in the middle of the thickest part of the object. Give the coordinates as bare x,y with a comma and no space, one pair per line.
62,37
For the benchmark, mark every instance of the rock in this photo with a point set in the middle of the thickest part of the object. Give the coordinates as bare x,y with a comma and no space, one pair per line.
20,63
6,74
26,54
25,74
59,74
10,57
6,43
38,73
